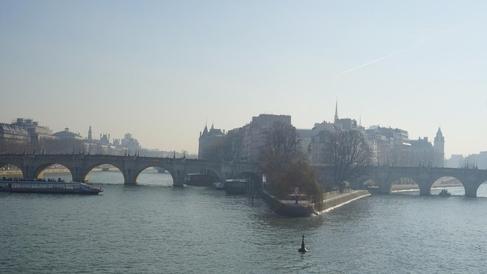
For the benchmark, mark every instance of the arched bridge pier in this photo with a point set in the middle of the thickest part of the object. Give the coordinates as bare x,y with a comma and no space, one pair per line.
80,165
384,177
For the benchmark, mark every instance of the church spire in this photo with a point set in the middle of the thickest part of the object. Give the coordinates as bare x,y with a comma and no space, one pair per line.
90,134
205,130
439,136
439,133
336,111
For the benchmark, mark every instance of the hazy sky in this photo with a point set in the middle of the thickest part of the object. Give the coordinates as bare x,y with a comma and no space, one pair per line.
161,69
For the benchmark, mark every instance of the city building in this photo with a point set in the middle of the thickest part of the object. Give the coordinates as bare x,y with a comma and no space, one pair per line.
313,140
13,134
67,135
439,149
420,153
27,136
23,135
104,145
478,160
389,146
131,144
36,132
243,144
211,144
13,139
455,161
255,134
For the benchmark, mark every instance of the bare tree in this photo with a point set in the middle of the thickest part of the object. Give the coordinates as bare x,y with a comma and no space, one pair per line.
285,166
281,145
348,153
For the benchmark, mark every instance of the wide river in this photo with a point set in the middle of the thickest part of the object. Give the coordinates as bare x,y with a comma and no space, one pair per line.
154,228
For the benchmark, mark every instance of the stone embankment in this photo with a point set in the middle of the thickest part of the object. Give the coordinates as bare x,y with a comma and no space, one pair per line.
332,200
304,208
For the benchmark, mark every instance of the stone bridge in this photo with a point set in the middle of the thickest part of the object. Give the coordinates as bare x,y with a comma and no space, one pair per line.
130,166
424,177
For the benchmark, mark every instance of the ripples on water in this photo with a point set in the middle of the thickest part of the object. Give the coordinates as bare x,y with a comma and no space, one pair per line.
158,229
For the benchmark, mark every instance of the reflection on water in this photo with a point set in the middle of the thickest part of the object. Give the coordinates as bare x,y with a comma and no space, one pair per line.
147,177
153,177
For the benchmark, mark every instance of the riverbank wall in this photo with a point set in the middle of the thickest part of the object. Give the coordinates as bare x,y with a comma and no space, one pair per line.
303,208
336,200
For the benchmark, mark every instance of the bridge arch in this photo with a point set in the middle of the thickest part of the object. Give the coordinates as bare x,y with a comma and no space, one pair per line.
405,184
440,182
89,172
255,180
481,190
150,175
40,172
214,174
249,174
369,183
12,167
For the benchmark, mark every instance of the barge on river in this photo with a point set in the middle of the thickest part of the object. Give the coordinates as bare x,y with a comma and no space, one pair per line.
50,186
236,186
289,208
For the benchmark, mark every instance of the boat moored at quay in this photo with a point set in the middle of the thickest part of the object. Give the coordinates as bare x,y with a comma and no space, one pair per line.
236,186
49,186
290,207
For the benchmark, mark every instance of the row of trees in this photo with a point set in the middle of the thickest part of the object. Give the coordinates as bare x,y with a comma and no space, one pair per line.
287,167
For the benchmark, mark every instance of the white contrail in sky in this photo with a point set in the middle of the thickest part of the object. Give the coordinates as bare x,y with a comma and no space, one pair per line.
371,62
382,58
374,61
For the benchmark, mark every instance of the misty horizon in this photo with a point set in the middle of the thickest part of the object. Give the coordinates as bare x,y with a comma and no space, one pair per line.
251,136
162,70
100,132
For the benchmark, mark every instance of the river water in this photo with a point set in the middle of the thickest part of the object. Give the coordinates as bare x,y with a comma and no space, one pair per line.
154,228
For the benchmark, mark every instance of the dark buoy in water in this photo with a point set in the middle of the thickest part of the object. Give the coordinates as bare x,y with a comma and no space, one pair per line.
303,248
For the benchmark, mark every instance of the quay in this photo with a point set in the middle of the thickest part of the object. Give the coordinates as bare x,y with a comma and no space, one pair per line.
306,208
333,200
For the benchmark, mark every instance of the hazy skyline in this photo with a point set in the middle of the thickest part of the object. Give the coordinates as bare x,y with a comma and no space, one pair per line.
160,70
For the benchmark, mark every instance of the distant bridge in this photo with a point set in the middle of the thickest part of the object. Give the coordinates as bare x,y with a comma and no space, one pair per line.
424,177
130,166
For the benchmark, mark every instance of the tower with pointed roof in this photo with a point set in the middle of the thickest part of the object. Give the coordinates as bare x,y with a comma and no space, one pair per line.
90,134
439,149
209,143
205,131
336,112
